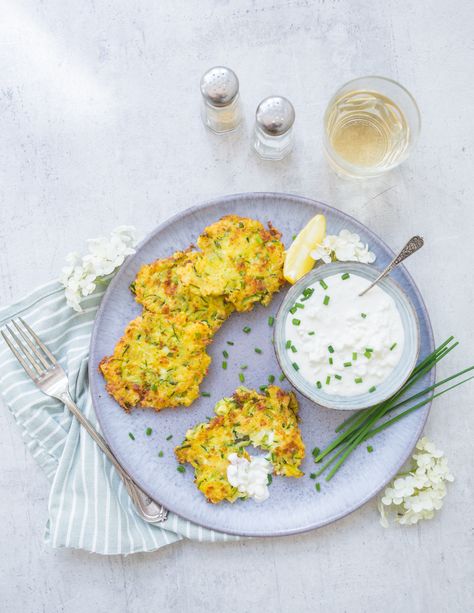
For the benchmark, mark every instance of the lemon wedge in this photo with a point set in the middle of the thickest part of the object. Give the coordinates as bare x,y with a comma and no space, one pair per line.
298,260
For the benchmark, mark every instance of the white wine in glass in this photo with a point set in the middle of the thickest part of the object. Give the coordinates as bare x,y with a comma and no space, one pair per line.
370,126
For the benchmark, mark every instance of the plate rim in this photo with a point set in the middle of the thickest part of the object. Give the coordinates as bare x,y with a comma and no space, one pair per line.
214,202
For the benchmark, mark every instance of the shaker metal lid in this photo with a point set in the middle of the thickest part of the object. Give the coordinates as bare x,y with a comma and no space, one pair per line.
219,86
275,115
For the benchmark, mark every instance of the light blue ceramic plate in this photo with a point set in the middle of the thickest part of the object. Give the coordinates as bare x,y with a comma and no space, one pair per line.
294,505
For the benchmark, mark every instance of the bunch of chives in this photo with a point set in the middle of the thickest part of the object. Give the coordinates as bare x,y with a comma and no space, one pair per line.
367,423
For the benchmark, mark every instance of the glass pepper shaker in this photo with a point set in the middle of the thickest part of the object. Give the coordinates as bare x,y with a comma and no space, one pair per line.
273,134
221,110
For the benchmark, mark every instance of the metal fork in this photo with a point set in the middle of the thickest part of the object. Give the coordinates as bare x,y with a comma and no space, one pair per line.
49,376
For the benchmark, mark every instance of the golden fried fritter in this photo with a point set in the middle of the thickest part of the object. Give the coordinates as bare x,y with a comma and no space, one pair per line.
159,362
159,289
240,260
248,418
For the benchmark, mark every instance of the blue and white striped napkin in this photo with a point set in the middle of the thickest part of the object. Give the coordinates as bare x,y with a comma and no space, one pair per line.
88,505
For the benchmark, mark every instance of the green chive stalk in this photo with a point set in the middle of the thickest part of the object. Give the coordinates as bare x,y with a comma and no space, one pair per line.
365,424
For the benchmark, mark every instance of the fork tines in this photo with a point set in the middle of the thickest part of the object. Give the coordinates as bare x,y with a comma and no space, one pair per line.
28,348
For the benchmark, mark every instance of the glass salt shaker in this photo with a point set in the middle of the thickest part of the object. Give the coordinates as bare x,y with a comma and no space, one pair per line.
273,134
221,110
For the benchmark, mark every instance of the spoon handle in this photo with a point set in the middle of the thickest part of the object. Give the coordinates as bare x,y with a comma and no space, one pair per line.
415,243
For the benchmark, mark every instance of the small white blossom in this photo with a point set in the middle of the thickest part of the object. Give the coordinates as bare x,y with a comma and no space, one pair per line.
345,247
418,493
82,273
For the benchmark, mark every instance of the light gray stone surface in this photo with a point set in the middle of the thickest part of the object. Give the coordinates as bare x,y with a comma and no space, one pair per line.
100,127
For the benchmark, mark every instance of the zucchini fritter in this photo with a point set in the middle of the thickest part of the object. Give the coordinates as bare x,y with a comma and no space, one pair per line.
248,418
161,359
159,289
159,362
240,260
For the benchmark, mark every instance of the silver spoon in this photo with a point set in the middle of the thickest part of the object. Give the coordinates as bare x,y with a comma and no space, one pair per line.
415,243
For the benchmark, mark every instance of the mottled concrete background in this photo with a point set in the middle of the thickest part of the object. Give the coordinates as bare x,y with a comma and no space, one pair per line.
99,126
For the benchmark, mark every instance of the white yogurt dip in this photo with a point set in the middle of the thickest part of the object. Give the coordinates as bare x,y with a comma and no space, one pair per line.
343,343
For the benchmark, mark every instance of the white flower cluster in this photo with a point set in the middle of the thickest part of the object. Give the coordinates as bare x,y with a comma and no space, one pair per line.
251,477
345,247
82,273
419,493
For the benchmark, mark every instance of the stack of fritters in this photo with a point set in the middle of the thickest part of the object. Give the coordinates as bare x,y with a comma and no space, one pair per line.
161,359
248,418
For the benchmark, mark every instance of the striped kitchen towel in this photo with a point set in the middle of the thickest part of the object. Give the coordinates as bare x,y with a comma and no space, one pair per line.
88,506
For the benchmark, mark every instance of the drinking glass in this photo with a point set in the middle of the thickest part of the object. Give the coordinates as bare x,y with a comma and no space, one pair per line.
371,125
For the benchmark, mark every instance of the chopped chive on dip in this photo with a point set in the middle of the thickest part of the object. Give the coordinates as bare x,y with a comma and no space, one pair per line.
160,454
293,349
328,380
393,346
312,475
271,378
293,310
316,451
224,365
258,350
319,385
288,344
169,437
312,333
262,388
281,377
331,349
318,487
331,361
345,276
295,366
368,354
225,354
338,377
370,448
148,431
271,321
323,284
269,479
358,380
244,367
298,305
241,377
180,468
372,389
205,394
230,343
247,329
363,315
347,364
131,435
326,300
354,356
296,322
307,293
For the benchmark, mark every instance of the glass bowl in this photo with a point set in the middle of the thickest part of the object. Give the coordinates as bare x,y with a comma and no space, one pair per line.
395,379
